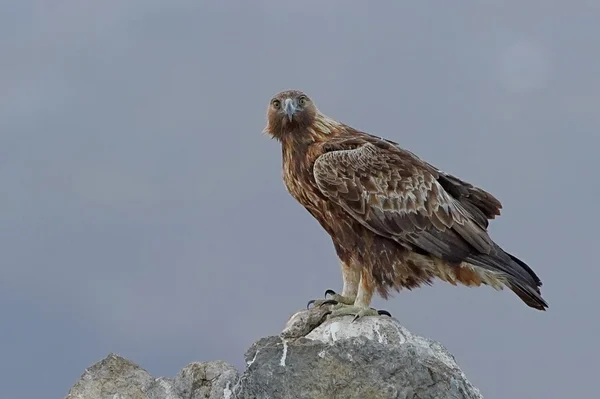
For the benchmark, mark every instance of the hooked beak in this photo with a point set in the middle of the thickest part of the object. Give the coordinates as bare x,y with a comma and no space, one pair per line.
289,107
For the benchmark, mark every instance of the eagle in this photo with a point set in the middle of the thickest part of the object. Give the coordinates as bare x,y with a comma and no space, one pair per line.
396,221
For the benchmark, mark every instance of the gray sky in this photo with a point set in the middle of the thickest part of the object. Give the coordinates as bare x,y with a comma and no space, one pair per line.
143,211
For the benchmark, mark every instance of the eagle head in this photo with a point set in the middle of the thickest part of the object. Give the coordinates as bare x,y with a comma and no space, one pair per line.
289,112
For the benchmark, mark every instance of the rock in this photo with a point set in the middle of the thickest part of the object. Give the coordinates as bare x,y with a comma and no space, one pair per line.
112,377
303,322
211,380
373,357
118,378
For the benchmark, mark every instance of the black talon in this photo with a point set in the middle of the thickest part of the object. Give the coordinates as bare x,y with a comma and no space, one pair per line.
384,312
329,302
324,317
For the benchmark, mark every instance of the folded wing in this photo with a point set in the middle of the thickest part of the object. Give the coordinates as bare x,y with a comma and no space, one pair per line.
396,195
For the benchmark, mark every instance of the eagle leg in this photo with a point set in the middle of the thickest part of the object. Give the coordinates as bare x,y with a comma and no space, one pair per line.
356,311
335,299
351,276
360,307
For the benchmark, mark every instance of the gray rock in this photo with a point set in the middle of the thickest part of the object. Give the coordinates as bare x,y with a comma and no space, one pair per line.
373,357
212,380
302,323
118,378
113,377
160,388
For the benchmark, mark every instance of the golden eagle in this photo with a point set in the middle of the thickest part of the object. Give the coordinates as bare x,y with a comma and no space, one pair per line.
395,220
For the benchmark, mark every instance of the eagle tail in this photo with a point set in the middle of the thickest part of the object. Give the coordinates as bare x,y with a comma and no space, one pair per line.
520,278
532,296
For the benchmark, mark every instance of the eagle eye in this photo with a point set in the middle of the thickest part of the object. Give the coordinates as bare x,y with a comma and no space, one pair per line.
302,100
276,103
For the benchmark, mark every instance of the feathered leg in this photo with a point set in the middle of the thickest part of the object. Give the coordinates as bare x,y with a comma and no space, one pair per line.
360,307
351,279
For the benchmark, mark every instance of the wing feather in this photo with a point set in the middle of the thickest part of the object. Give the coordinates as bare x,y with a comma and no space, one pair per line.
399,197
481,205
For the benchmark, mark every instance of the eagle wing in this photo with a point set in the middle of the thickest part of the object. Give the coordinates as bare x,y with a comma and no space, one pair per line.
481,205
396,195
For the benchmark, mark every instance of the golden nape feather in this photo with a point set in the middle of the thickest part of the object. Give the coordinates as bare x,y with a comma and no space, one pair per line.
396,221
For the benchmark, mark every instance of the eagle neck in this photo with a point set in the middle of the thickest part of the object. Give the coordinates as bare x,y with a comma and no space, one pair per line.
294,150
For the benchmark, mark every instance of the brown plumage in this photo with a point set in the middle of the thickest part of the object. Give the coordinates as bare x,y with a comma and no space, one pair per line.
395,221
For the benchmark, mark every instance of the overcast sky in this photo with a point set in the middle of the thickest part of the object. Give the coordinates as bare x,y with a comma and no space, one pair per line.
142,210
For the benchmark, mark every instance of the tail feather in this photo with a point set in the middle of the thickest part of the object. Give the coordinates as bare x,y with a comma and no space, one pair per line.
530,296
524,265
521,279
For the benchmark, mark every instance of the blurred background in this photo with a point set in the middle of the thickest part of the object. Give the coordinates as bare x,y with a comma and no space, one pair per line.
142,210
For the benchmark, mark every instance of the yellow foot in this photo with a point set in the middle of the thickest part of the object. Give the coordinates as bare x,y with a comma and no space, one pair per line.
335,299
356,311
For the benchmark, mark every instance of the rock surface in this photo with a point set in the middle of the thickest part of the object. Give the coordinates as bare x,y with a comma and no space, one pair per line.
373,357
118,378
